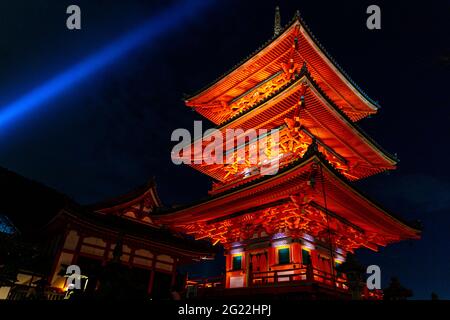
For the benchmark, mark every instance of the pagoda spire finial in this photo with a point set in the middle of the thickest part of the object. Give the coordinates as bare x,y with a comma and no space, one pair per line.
277,28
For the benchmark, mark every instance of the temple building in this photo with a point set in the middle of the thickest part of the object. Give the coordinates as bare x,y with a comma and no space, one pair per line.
42,232
287,232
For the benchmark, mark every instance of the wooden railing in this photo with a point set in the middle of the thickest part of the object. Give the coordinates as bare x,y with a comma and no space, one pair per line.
303,273
24,292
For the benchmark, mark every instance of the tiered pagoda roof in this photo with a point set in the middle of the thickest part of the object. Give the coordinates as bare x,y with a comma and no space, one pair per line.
345,145
219,101
291,76
293,86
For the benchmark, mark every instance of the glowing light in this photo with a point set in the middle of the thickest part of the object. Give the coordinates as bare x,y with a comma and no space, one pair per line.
206,258
280,244
237,251
236,244
145,34
308,246
339,259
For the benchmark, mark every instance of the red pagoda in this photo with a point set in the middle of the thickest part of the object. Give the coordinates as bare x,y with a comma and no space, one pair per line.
287,232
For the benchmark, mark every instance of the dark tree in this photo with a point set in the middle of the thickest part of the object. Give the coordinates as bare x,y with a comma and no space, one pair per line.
395,291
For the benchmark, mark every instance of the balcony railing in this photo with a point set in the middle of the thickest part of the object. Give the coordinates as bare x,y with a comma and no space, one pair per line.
292,276
302,275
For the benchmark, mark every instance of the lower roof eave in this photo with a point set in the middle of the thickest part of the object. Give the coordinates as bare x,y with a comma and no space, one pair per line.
188,213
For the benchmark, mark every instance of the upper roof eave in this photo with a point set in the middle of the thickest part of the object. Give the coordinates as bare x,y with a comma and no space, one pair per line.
297,20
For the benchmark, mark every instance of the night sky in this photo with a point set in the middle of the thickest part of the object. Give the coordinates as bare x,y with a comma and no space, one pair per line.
111,132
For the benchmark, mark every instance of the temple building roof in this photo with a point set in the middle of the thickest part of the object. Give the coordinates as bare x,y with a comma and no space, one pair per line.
34,209
137,204
113,226
271,59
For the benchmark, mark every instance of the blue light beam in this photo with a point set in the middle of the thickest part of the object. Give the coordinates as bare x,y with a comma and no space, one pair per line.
144,34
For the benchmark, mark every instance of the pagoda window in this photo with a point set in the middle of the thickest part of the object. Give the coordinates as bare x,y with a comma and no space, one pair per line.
306,257
237,262
284,256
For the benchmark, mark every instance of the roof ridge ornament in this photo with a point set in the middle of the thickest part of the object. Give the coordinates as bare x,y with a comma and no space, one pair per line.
277,27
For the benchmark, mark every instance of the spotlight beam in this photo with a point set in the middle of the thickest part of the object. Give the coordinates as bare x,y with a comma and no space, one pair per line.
144,34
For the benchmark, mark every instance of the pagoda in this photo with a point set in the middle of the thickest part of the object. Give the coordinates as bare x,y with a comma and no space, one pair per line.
287,232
